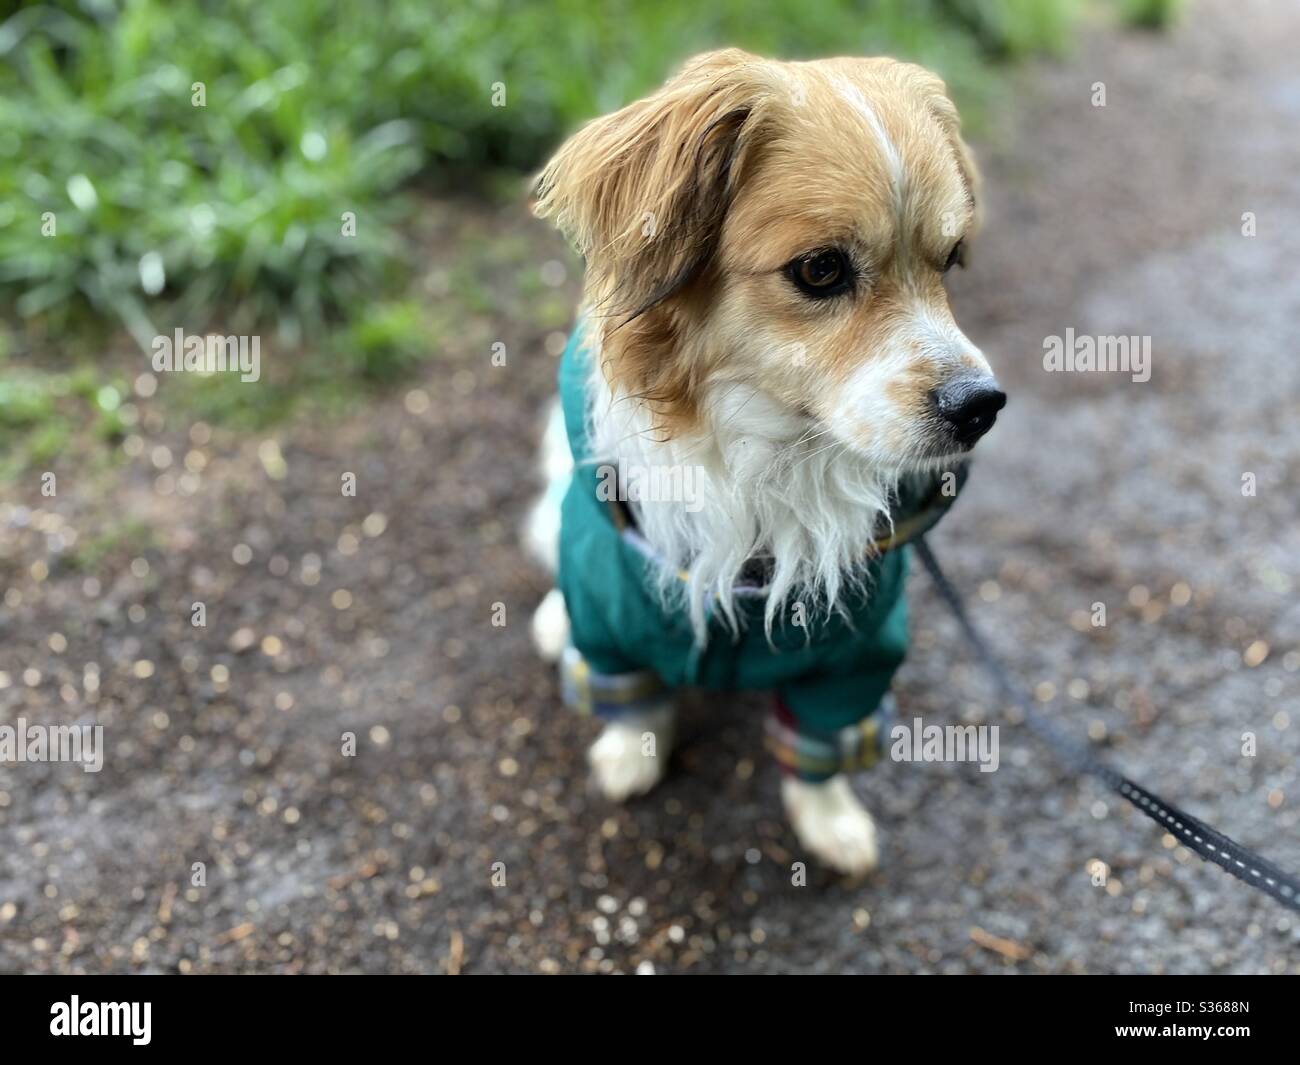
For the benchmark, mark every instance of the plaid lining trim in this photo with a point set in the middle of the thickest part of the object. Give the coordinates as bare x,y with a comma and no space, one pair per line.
817,756
608,694
812,756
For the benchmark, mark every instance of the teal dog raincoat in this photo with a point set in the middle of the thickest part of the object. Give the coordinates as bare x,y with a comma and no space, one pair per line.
628,651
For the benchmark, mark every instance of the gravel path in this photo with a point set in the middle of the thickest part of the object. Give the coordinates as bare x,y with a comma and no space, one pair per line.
460,836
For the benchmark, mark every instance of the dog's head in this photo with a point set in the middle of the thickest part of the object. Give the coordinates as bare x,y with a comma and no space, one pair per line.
785,226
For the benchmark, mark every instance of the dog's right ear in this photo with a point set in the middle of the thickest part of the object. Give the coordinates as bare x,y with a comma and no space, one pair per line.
642,192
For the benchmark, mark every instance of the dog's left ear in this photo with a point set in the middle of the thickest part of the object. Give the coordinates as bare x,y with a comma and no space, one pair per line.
945,113
642,192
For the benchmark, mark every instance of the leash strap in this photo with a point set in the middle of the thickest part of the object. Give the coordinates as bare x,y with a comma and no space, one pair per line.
1195,835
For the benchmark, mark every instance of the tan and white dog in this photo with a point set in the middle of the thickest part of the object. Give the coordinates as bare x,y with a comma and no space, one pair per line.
765,247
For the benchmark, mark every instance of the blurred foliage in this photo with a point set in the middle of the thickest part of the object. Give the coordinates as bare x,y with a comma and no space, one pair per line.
235,205
125,205
1152,14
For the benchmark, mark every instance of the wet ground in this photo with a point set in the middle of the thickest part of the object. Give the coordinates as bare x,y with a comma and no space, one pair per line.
458,833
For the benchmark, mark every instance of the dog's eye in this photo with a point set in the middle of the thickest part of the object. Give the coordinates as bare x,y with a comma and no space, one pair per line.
821,274
956,257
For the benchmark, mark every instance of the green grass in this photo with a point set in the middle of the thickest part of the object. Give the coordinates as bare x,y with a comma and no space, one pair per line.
1150,14
42,412
127,201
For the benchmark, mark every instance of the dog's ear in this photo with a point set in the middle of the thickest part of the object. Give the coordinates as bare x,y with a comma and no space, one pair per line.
642,192
945,113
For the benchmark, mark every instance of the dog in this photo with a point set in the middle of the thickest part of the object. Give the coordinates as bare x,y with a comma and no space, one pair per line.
765,385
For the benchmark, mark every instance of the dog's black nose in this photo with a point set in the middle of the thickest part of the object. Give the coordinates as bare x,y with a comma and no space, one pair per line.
969,403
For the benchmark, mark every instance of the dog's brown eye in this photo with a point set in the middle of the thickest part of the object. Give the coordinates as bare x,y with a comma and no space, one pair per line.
824,273
956,257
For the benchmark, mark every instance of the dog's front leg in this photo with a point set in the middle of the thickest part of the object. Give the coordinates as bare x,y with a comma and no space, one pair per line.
826,816
631,754
829,820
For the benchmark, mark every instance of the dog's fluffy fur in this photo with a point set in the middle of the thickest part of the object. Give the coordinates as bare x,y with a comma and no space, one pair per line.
694,209
765,483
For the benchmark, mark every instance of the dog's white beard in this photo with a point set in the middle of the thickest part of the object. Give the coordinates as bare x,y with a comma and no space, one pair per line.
761,483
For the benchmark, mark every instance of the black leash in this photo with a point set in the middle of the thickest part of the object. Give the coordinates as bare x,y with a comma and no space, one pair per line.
1195,835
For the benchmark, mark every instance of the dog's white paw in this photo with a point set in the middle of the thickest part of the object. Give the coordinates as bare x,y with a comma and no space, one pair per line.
831,823
630,755
551,626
